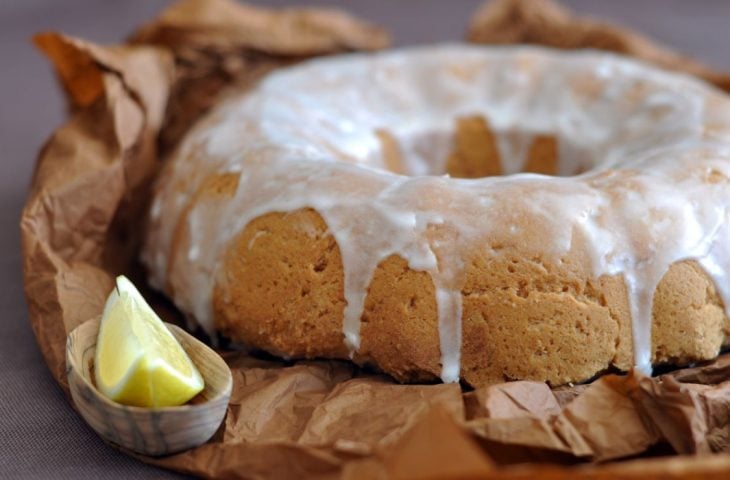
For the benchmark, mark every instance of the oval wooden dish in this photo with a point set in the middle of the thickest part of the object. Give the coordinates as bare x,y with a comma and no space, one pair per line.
149,431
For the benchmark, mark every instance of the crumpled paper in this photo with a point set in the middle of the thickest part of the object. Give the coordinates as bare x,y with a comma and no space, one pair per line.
544,22
218,44
129,105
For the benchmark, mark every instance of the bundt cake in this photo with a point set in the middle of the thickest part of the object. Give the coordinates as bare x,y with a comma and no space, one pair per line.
456,212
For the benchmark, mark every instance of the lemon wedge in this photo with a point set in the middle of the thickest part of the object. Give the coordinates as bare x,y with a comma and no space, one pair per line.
138,361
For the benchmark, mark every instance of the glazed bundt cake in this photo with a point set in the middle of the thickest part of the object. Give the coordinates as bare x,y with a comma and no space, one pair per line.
456,212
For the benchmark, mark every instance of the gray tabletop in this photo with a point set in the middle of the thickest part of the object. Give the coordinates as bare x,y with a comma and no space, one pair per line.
40,436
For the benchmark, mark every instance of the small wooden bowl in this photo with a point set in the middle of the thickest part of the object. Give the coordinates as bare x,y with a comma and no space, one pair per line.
149,431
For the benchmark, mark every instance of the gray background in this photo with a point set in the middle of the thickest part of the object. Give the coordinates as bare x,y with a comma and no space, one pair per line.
40,436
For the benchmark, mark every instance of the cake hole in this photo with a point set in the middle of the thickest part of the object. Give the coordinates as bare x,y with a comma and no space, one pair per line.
472,148
522,289
320,265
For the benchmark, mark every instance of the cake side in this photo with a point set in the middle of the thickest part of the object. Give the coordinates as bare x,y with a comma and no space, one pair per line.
523,318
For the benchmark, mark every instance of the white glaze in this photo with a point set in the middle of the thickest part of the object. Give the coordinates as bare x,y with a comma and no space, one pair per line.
305,137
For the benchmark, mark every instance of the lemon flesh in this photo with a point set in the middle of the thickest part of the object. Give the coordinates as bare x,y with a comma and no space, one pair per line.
138,361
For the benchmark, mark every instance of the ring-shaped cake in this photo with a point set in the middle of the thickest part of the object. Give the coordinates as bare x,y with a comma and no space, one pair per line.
455,211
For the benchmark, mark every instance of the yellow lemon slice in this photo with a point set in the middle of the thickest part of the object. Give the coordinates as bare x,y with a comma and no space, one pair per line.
138,361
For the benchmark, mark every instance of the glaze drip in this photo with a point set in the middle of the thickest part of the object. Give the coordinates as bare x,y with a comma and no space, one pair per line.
653,147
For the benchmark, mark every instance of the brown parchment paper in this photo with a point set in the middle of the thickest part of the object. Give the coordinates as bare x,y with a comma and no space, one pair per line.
130,104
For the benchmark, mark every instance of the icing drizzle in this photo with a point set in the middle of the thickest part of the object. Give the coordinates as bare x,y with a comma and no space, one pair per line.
653,146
